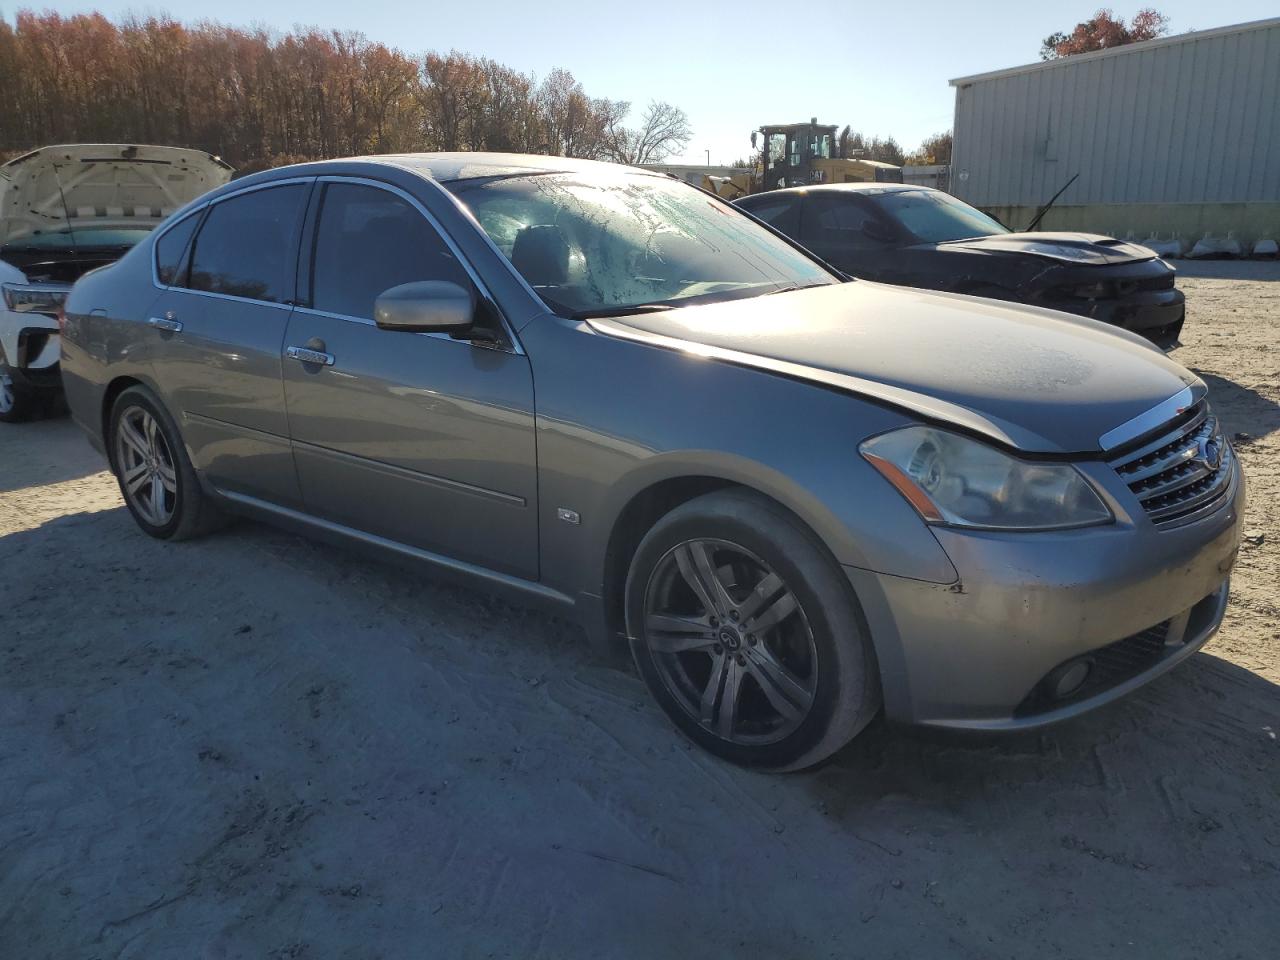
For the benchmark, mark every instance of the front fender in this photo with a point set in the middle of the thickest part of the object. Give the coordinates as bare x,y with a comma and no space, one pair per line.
615,417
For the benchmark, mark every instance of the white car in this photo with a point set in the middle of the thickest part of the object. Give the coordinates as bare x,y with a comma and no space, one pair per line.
64,211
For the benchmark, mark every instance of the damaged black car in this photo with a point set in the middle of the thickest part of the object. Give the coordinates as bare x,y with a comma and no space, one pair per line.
919,237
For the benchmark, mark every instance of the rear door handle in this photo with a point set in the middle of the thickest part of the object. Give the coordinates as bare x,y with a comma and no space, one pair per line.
307,355
165,323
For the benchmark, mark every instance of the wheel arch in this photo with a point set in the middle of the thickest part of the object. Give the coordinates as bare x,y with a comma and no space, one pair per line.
644,503
115,387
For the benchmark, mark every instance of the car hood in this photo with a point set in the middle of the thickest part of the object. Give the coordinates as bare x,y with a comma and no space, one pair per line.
101,185
1084,248
1032,379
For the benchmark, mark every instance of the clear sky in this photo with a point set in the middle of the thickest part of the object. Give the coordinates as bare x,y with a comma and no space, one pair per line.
882,66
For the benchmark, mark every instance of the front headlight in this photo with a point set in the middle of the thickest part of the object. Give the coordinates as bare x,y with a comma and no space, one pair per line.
33,298
951,479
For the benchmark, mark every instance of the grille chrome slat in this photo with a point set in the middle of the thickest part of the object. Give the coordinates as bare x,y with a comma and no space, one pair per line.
1190,501
1168,455
1182,475
1174,474
1126,461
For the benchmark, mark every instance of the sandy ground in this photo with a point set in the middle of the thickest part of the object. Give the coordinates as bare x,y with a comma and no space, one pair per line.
256,746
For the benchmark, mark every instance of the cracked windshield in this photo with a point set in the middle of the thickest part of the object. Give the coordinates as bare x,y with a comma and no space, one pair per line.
614,244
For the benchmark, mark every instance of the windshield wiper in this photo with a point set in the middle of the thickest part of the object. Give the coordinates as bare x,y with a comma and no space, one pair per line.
619,311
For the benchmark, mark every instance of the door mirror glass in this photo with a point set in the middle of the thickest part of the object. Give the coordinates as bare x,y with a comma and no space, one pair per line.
426,306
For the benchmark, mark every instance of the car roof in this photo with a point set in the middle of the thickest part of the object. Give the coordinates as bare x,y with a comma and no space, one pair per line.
449,167
441,167
865,188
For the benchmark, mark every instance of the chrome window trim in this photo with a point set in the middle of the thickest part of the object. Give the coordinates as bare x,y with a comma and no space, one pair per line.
160,232
513,344
1156,417
363,321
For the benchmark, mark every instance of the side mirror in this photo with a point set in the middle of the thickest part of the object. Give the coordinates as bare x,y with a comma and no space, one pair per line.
426,306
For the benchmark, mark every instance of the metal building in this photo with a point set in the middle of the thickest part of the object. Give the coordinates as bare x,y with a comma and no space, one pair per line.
1177,135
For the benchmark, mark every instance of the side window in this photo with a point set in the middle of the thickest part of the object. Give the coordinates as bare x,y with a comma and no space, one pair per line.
245,248
837,219
781,214
171,251
369,240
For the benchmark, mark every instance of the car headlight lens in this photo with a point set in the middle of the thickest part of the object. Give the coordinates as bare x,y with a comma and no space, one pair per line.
951,479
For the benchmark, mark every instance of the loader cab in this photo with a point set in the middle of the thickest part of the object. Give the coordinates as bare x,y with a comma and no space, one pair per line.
789,152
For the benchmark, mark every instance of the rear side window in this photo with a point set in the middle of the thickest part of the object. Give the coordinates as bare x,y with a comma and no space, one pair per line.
369,240
171,251
782,215
245,248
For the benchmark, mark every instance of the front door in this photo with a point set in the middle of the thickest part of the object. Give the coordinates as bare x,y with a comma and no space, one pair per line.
844,231
224,319
417,438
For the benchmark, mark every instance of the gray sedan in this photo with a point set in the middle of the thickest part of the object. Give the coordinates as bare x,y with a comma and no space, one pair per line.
796,499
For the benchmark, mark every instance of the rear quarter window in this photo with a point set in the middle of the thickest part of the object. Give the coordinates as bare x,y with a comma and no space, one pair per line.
171,251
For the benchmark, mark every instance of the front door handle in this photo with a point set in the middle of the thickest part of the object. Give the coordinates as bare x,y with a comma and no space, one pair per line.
166,323
307,355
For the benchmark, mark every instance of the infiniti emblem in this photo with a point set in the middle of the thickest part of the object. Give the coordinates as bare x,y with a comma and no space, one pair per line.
1210,453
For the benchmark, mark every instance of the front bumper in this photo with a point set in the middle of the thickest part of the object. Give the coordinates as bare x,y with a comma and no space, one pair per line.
35,361
1157,315
1143,299
984,652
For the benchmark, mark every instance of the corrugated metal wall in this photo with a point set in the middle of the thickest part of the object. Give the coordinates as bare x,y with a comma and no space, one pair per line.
1191,121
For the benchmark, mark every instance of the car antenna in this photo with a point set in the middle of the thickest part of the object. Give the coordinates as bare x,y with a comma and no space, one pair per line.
66,213
1045,209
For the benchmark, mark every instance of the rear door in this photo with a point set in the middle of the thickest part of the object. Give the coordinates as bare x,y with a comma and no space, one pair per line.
222,322
414,437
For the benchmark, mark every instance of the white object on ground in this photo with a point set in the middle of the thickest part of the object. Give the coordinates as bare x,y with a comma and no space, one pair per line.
1208,246
1173,247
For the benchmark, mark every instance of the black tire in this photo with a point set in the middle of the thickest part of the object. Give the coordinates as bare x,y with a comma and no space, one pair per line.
188,511
821,645
17,403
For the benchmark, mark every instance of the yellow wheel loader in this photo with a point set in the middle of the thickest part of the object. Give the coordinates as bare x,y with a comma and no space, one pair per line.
798,154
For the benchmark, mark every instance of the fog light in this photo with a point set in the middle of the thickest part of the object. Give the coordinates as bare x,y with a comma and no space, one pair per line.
1068,678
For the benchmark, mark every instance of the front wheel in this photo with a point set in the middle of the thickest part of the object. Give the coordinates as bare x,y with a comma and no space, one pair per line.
748,635
16,403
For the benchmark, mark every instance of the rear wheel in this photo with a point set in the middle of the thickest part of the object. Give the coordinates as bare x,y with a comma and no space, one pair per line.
156,478
748,635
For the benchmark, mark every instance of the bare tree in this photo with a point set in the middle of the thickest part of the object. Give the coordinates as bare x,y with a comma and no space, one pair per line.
664,130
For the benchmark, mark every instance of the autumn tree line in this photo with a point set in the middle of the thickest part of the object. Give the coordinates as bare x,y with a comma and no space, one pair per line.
259,98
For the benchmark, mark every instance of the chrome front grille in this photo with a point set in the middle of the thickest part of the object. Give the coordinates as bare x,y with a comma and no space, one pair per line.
1184,470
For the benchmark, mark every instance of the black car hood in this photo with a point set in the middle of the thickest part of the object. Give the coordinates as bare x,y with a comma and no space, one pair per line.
1036,380
1089,249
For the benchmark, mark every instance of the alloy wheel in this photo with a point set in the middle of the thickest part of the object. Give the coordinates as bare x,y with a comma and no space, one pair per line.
730,641
146,466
